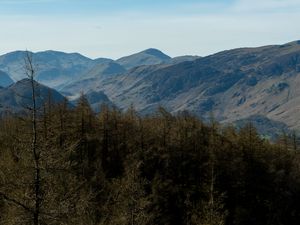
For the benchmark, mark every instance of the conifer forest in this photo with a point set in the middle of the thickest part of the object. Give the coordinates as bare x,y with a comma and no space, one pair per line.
69,165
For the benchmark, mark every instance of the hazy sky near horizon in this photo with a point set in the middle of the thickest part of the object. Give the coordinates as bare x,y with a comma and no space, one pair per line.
114,28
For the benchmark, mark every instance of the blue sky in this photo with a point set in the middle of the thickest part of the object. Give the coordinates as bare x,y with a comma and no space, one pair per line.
95,6
113,28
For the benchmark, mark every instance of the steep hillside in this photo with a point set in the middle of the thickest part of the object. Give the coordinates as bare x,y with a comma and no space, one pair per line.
92,77
232,84
17,97
5,79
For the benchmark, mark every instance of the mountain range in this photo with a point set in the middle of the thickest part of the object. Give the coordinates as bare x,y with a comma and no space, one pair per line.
232,85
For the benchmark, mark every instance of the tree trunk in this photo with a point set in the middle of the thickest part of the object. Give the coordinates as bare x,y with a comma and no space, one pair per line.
30,71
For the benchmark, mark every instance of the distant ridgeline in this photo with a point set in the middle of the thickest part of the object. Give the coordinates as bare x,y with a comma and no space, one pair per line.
258,85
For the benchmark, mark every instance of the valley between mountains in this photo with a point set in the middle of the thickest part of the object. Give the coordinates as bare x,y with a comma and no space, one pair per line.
260,85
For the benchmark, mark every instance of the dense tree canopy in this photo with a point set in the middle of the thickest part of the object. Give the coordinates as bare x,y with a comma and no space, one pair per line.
120,168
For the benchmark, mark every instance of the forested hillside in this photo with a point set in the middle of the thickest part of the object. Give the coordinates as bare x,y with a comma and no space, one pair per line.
78,167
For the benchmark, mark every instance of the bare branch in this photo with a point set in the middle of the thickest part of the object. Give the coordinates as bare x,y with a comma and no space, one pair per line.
11,200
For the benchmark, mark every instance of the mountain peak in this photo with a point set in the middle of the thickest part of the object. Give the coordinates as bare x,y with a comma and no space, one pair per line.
156,52
149,56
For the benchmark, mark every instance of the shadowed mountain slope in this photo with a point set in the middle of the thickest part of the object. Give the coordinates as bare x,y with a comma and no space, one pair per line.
17,97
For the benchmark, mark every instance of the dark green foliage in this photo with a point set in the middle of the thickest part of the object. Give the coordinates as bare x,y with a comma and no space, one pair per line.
119,168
